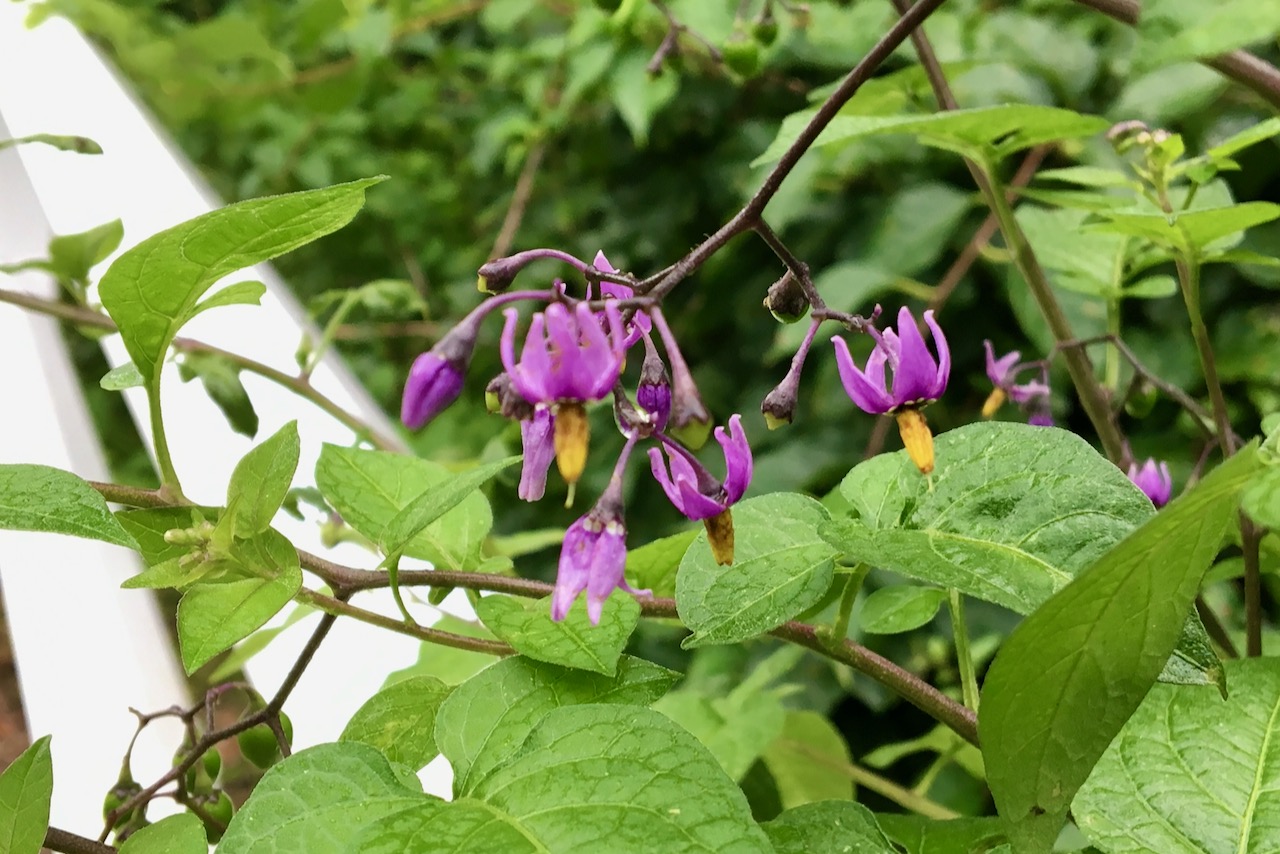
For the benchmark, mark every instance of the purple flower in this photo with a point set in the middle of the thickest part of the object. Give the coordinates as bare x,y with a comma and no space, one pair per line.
1040,419
433,384
594,554
537,435
1003,371
918,378
691,488
1154,480
566,357
640,322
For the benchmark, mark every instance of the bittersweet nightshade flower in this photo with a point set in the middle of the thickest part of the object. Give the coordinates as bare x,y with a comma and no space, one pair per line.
435,379
640,323
1003,373
697,494
1154,480
918,380
537,437
690,421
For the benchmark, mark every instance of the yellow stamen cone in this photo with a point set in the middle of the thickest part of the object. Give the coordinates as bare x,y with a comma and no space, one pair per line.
916,438
720,536
994,401
573,433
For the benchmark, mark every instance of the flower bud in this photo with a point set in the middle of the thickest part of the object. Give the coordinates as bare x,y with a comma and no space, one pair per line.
435,380
779,405
653,394
786,300
500,397
496,276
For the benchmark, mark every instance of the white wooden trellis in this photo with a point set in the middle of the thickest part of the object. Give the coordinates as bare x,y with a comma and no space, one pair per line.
86,650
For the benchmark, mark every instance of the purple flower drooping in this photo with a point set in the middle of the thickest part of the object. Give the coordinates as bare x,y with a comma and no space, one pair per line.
691,488
1032,396
1154,480
918,378
435,379
537,436
640,323
566,357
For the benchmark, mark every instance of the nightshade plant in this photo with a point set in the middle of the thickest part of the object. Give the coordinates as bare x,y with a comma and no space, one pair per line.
1098,680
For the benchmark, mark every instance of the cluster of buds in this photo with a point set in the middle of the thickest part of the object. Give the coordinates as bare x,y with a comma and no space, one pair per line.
574,354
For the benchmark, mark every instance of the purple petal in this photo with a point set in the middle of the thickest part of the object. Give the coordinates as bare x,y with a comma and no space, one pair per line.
1028,391
595,356
916,373
432,385
861,388
567,370
574,571
944,356
1040,419
532,376
659,467
608,561
537,436
998,369
602,264
737,459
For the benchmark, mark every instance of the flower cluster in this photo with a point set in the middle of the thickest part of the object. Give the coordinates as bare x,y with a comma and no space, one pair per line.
574,354
1032,396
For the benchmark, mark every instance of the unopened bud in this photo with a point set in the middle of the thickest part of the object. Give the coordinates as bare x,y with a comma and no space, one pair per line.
786,300
654,391
496,276
779,405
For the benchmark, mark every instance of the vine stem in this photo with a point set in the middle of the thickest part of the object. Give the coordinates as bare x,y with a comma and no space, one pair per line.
71,843
964,654
900,795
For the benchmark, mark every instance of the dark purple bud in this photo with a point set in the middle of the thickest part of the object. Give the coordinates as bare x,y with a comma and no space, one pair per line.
690,421
435,379
786,300
497,275
654,391
779,405
1154,480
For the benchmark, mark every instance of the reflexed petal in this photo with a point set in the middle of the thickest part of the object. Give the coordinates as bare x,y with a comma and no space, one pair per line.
602,263
537,438
737,459
693,504
568,369
944,356
574,570
659,467
915,375
597,364
1028,391
998,369
608,561
860,388
532,376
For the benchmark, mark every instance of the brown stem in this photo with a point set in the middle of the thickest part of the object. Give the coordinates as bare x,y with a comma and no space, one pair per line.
337,607
71,843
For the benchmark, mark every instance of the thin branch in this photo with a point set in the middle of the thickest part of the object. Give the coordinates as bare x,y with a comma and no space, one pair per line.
867,778
337,607
519,201
71,843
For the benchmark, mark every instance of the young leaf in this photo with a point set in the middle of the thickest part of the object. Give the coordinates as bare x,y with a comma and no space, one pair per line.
40,498
435,502
899,608
370,488
72,256
487,717
827,826
149,525
317,801
781,567
221,381
25,789
526,624
1190,231
736,733
450,665
122,377
809,760
240,293
77,144
1190,773
1092,652
177,834
260,481
400,720
211,617
151,290
1176,32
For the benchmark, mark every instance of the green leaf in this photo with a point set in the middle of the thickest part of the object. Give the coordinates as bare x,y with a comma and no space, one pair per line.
148,527
1092,652
941,741
526,624
40,498
809,760
211,617
255,643
653,566
991,132
899,608
25,789
239,293
638,95
317,801
77,144
781,567
72,256
450,665
1176,30
461,827
625,774
221,380
1152,287
827,826
485,719
435,502
736,732
1190,231
370,488
1191,773
260,481
1261,498
177,834
151,290
400,720
920,835
1263,130
122,377
1087,176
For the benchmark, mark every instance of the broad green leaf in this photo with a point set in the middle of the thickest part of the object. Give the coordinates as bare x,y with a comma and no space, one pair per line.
1190,231
317,801
122,377
993,132
736,733
434,827
239,293
77,144
653,566
400,720
625,774
25,789
72,256
1263,130
1261,498
169,573
638,95
780,568
177,834
1151,287
1190,773
1176,30
211,617
487,717
450,665
370,488
808,761
151,290
920,835
899,608
1087,176
435,501
40,498
260,480
827,826
221,381
526,624
1092,652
